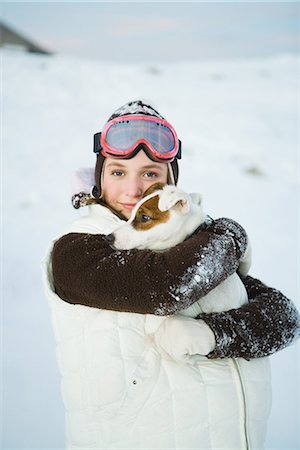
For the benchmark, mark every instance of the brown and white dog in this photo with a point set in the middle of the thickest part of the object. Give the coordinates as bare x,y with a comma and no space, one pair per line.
163,218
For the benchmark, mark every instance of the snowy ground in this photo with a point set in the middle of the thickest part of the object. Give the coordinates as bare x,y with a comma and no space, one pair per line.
238,124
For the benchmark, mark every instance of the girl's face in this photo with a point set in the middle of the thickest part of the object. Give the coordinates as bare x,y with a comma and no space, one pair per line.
126,180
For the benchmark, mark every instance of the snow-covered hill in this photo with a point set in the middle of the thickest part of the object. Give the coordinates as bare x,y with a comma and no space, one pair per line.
238,124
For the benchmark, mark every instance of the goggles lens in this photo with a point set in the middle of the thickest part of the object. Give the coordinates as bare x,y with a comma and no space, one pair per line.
124,134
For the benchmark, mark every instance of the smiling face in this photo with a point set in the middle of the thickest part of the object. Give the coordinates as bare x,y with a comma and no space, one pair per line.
126,180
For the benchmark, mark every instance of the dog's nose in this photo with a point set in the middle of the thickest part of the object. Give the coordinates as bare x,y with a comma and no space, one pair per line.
110,238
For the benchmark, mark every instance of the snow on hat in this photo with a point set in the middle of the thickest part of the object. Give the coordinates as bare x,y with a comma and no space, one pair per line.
133,107
136,107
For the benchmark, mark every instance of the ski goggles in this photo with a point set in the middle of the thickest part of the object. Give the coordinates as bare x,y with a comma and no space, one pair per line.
124,136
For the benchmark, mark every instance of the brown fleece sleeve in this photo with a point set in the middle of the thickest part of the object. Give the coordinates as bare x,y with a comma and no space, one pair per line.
268,323
87,271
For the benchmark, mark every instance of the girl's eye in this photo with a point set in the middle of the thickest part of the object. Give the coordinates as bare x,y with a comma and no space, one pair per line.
151,175
144,218
117,173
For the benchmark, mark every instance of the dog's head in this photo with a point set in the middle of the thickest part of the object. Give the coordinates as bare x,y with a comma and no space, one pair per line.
164,217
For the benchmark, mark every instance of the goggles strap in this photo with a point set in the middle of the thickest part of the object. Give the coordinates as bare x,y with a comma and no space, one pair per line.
178,155
97,145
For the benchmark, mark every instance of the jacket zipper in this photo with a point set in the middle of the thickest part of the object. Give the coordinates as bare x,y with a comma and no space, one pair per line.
237,367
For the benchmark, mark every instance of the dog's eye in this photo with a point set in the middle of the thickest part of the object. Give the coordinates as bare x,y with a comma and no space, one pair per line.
144,218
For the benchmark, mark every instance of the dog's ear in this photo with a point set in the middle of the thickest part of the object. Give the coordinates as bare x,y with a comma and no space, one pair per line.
183,205
171,197
153,188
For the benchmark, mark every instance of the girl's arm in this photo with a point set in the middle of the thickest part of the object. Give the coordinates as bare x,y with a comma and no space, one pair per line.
87,271
268,323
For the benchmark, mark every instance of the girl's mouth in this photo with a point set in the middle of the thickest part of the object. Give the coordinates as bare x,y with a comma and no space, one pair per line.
128,205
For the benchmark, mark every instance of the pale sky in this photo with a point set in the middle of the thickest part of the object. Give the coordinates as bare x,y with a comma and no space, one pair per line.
158,31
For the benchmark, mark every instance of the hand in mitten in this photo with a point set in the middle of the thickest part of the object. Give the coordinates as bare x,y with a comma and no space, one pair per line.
229,227
184,339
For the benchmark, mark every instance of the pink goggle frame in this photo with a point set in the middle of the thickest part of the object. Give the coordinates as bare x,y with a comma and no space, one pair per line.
162,143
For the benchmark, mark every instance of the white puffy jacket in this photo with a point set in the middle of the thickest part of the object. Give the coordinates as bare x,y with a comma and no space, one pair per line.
120,393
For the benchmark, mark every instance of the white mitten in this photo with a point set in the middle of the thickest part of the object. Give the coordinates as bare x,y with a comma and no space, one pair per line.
245,261
184,339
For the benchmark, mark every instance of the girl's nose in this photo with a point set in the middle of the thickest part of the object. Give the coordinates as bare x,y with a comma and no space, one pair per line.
135,188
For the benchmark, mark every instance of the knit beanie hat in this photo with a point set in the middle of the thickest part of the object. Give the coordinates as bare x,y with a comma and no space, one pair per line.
134,107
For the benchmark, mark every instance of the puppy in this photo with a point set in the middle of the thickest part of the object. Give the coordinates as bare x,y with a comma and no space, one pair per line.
163,218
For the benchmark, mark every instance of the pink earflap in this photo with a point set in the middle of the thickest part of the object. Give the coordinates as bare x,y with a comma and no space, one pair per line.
82,180
82,185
